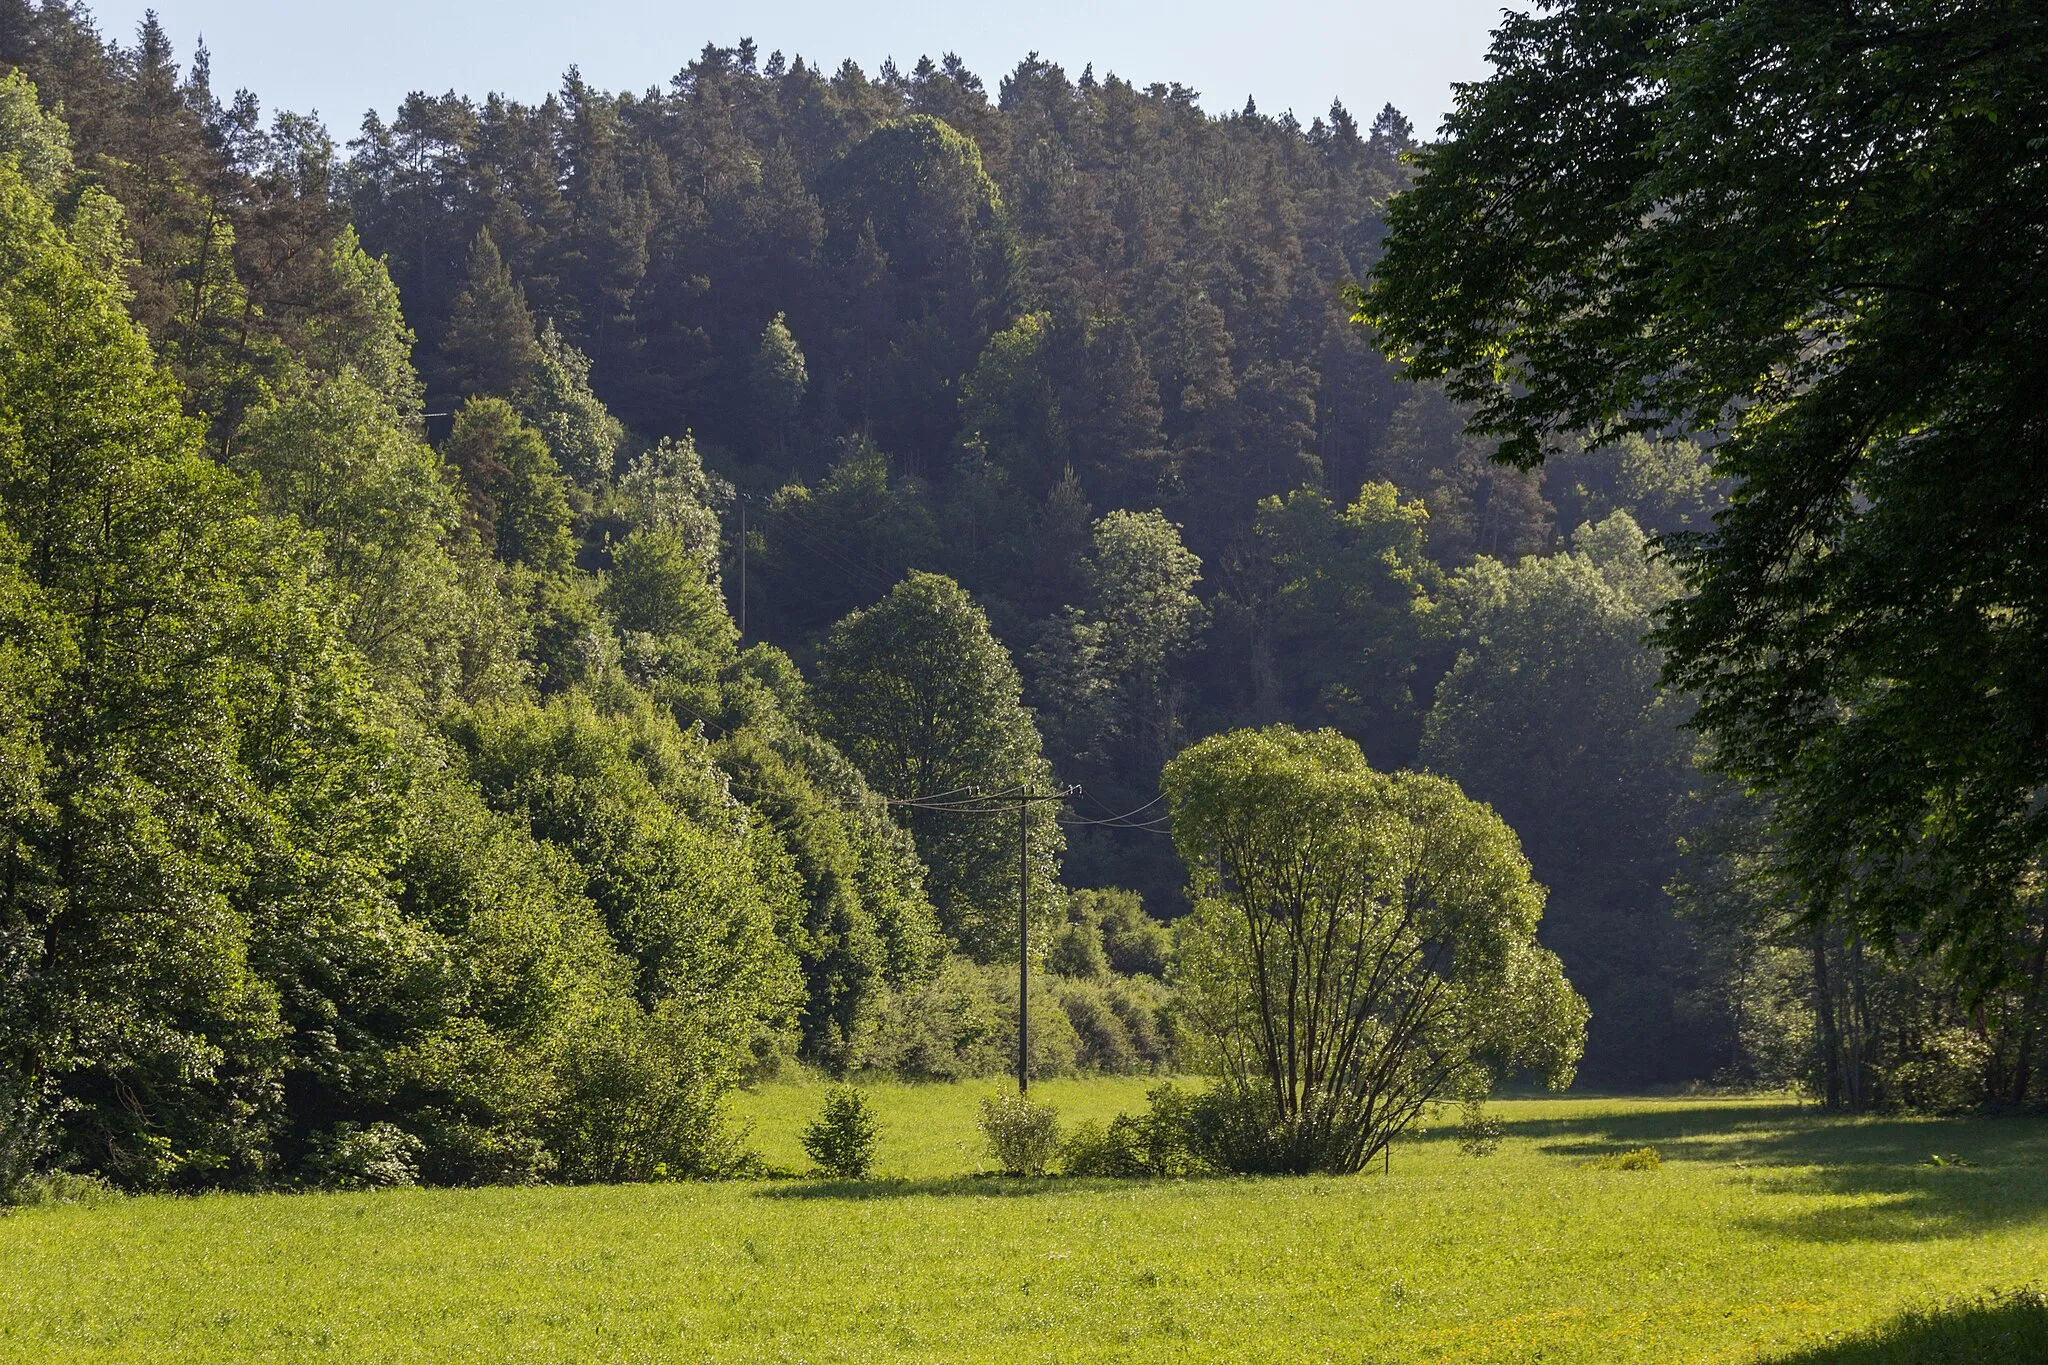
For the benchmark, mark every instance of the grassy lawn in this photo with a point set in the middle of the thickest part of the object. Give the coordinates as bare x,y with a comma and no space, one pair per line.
1766,1231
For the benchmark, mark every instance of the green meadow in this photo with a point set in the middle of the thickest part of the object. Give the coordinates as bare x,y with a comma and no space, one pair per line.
1769,1232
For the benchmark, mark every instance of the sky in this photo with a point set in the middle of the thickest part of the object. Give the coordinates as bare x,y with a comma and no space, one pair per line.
341,59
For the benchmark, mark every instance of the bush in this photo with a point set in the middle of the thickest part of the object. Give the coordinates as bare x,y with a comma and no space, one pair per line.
1093,1150
1143,1004
363,1157
1154,1143
843,1138
1638,1159
949,1030
1105,1044
62,1187
1023,1135
1077,952
1135,943
637,1104
1237,1130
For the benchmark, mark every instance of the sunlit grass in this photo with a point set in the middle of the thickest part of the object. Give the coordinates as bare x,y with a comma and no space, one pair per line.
1766,1230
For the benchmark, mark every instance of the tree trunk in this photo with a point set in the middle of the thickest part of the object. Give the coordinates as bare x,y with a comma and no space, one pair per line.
2030,1020
1824,1016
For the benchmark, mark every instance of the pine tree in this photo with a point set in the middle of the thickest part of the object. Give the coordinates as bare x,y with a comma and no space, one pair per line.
489,349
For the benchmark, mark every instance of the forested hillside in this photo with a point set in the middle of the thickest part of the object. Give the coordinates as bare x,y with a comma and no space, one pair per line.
469,599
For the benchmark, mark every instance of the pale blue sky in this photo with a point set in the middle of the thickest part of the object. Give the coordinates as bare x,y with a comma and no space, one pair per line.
341,59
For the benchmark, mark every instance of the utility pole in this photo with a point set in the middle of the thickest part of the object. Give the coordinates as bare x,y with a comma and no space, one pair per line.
743,568
1023,949
974,801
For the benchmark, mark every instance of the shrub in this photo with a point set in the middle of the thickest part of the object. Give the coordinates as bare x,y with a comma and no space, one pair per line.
1093,1150
637,1103
363,1157
63,1187
1143,1005
843,1138
1637,1159
1105,1044
1135,943
949,1030
1154,1143
1077,952
1234,1129
1022,1134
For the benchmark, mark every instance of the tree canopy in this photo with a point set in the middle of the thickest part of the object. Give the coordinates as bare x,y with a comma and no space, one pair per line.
1361,945
1813,235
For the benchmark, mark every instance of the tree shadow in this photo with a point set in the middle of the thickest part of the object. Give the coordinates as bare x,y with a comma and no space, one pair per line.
950,1187
1914,1179
1996,1328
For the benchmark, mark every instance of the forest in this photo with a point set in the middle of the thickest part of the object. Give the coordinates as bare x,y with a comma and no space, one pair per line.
499,609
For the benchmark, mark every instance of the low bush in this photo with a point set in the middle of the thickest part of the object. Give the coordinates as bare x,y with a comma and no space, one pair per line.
1636,1159
363,1157
1022,1134
62,1187
843,1138
949,1030
1154,1143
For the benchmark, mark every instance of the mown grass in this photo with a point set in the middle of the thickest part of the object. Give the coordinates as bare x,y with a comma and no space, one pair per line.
1767,1232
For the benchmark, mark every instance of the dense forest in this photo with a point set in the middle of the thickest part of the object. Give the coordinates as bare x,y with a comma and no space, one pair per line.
486,610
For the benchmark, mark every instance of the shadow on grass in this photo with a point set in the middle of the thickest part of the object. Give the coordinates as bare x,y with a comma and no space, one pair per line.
1902,1195
964,1186
1996,1328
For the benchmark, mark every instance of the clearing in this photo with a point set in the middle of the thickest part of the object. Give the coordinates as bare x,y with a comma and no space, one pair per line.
1768,1232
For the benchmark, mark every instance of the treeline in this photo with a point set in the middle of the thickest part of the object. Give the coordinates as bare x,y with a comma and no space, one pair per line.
350,821
390,775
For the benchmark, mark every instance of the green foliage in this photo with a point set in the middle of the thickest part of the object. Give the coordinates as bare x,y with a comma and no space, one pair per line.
58,1188
361,326
1349,598
867,926
489,349
1140,619
688,890
950,1028
333,454
518,498
580,431
1479,1133
355,1157
180,691
1360,944
778,381
657,587
1624,230
917,228
1077,952
35,140
842,1140
1022,1134
1552,716
1635,1159
1474,506
1154,1143
665,488
919,695
1136,943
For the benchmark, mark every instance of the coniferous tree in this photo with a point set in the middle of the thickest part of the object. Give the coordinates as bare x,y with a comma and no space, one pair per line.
489,349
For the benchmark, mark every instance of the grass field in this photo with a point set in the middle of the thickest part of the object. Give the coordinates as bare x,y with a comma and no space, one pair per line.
1768,1233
